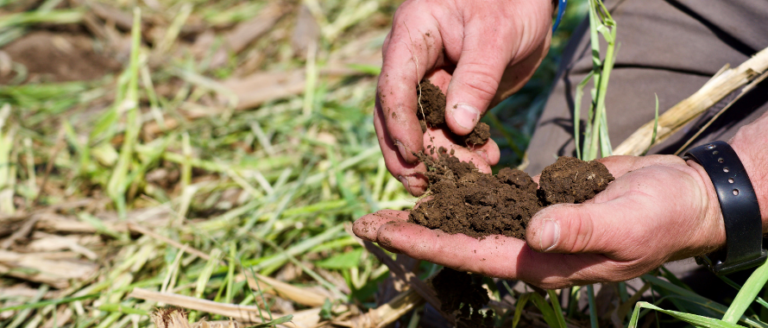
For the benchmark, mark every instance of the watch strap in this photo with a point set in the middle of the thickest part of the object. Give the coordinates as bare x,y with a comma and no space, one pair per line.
738,203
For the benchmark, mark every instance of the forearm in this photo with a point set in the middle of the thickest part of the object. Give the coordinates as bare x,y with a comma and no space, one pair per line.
751,144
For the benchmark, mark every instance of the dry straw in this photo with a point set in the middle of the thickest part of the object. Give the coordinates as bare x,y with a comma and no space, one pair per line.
727,81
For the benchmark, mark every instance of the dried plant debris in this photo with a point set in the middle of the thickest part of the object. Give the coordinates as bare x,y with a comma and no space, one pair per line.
464,200
431,113
177,318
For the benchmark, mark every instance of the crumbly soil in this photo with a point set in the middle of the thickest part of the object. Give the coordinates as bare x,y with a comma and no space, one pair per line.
431,113
570,180
462,294
467,201
57,57
464,200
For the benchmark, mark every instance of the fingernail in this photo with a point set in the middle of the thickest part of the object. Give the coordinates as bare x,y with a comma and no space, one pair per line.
550,233
404,181
401,149
466,116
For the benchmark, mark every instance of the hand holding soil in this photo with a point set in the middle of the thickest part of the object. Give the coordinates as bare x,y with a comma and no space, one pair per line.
658,209
476,54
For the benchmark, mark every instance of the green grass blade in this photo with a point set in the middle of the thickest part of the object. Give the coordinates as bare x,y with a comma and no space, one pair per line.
519,306
37,17
118,181
747,294
697,320
577,115
553,297
655,126
592,306
546,310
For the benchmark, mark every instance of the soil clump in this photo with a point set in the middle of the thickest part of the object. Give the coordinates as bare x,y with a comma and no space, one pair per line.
462,295
570,180
464,200
431,113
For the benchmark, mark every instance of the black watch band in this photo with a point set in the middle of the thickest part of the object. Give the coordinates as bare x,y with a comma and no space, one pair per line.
741,212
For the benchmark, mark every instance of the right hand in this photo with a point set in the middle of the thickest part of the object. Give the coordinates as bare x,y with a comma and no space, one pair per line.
477,52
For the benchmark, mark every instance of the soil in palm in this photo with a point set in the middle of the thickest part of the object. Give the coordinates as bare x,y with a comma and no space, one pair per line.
464,200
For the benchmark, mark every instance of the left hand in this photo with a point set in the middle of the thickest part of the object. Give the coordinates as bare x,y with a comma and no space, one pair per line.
658,209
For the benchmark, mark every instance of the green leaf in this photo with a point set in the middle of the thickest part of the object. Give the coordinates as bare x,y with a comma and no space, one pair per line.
366,69
278,321
519,309
546,310
747,294
556,307
342,261
693,319
326,311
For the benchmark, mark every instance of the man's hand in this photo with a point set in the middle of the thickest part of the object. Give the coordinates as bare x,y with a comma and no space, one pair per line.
658,209
478,52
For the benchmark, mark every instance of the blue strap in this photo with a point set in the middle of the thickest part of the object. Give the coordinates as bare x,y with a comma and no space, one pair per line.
560,12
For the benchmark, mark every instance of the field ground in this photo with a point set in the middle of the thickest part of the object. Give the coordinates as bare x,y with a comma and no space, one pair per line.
217,151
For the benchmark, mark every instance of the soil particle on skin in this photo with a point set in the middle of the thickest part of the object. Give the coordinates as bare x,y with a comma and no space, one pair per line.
57,57
464,200
431,113
462,294
570,180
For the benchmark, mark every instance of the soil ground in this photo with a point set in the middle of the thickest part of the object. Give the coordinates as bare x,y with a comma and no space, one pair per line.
57,57
462,295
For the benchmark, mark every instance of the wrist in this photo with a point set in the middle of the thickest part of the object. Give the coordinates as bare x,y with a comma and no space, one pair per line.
712,236
749,144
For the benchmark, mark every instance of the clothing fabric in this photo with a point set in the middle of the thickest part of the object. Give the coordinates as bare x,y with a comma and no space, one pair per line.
665,48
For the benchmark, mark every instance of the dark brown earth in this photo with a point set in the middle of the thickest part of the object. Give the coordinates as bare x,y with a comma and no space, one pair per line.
57,57
570,180
464,200
431,113
467,201
462,294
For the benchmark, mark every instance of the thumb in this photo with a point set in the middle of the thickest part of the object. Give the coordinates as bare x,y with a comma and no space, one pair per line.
580,228
474,82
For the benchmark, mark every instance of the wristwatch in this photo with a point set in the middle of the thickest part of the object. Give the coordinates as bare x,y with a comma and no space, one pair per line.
738,203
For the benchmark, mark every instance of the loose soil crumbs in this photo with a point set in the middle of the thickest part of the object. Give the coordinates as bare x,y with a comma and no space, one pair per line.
431,113
464,200
462,295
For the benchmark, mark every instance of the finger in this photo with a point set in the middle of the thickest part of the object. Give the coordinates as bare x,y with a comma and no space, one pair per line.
413,49
410,175
515,76
481,156
496,256
367,227
595,227
476,77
